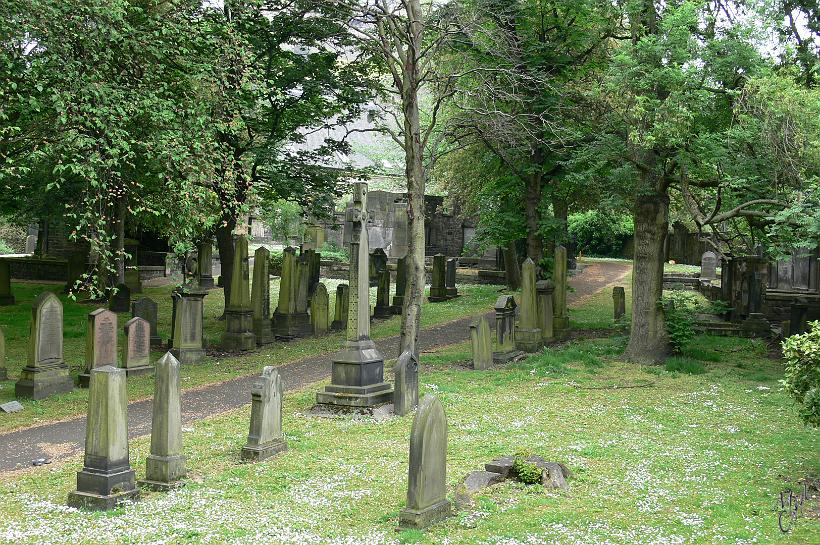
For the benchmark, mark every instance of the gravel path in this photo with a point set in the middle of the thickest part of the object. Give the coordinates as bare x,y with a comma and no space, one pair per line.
60,440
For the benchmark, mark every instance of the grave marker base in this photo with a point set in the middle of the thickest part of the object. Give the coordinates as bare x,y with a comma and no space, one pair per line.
418,519
287,327
506,357
188,355
528,340
137,371
164,472
263,452
39,383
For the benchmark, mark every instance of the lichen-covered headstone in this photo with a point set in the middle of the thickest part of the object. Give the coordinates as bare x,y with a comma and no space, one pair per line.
618,302
265,438
406,387
146,308
559,296
260,297
708,266
187,340
165,466
481,342
527,333
107,478
505,329
238,312
544,290
46,372
382,308
100,342
136,353
291,320
319,311
427,476
205,263
341,310
438,288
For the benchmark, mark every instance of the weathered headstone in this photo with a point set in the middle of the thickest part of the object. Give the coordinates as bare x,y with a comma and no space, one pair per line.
481,342
136,353
31,244
238,313
438,289
398,246
100,342
427,476
382,308
107,478
6,296
133,279
187,341
265,438
260,297
527,333
320,310
401,285
619,302
4,374
378,263
165,466
146,308
291,320
559,296
340,313
505,329
708,266
357,376
120,301
406,389
205,259
314,262
544,290
45,372
303,289
797,318
450,278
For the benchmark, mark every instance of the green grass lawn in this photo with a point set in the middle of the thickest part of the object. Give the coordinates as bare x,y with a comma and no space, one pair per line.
15,322
690,453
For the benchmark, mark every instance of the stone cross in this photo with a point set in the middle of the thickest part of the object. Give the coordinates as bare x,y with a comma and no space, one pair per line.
136,354
406,389
206,264
45,372
527,333
427,476
544,290
238,313
450,278
319,310
559,297
146,308
107,478
340,313
438,288
265,437
481,343
165,466
100,342
382,309
358,321
120,301
708,266
4,375
619,302
401,285
187,344
260,296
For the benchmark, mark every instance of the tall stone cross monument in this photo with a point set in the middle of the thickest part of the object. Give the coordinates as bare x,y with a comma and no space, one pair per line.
357,378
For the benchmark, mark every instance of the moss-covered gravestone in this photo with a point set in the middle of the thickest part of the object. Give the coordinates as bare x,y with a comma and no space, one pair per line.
187,341
4,375
205,260
438,289
45,372
505,329
544,290
146,308
319,310
100,342
527,332
165,466
136,353
107,478
559,296
265,438
406,388
341,311
291,320
481,342
260,297
382,308
618,302
427,476
401,285
238,313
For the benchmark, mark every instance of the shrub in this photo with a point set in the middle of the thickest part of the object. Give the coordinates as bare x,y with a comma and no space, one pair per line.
334,253
599,233
275,263
802,374
527,472
679,310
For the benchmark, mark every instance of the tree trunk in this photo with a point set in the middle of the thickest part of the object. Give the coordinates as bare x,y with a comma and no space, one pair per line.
560,211
512,270
532,208
224,240
648,341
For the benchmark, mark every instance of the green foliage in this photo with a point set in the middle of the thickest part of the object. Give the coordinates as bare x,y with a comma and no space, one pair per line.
285,220
679,310
684,365
600,233
527,472
275,261
802,374
333,252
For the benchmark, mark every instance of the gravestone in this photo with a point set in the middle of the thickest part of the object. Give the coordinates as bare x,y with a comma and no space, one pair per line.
6,296
619,302
107,478
4,374
382,309
399,244
406,389
265,438
291,320
481,342
205,259
505,330
427,475
314,264
378,263
450,278
340,313
187,341
357,375
401,285
100,343
797,318
45,372
708,266
120,301
146,308
132,279
438,289
559,296
31,244
319,310
165,466
136,353
544,290
527,333
238,313
260,297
